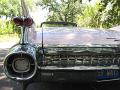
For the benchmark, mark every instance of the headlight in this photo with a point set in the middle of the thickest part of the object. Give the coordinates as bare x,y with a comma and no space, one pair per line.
21,65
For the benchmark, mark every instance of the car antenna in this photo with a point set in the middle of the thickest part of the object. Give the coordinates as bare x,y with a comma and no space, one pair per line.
43,52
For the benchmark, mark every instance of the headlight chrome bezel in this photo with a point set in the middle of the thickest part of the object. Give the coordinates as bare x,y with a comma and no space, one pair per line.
14,76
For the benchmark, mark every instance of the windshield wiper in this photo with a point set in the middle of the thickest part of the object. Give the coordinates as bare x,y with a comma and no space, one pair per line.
59,23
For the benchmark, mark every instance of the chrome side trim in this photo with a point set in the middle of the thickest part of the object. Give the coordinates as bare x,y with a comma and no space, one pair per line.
109,80
80,68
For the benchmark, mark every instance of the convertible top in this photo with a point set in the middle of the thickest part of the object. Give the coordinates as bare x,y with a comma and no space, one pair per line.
74,36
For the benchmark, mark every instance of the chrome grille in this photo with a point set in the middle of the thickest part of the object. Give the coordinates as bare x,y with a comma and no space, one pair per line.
82,60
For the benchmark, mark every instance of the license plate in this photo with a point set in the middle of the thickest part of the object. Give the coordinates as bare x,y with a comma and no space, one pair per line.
108,74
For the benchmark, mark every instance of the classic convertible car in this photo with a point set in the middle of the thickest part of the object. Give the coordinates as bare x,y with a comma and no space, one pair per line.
64,54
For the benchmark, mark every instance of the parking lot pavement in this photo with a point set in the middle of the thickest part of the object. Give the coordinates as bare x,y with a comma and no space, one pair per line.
4,82
3,52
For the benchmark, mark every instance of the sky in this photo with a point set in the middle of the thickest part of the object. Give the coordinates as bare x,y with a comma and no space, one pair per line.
39,15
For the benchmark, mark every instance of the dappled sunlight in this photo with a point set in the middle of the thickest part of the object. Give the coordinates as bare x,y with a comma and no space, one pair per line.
6,41
70,36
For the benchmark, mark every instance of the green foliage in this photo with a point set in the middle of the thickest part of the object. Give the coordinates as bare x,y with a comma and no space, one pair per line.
6,27
90,16
112,15
10,9
104,14
62,10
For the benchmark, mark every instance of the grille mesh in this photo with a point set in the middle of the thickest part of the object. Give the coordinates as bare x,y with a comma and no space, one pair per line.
82,60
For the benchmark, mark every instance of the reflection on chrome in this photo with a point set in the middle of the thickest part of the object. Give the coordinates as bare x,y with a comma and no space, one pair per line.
81,60
12,73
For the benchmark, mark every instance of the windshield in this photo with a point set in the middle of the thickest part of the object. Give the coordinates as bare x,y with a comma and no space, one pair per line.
63,36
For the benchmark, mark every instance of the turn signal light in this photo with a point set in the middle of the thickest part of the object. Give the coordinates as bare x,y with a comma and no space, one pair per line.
23,21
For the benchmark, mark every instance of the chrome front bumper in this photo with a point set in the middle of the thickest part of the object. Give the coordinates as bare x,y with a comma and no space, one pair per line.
79,74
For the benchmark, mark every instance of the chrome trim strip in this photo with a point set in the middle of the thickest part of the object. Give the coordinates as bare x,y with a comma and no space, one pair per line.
81,68
109,80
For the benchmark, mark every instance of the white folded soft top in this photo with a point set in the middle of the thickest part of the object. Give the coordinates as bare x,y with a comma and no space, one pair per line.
74,36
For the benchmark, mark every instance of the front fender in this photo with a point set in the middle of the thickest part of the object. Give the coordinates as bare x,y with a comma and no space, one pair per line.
20,51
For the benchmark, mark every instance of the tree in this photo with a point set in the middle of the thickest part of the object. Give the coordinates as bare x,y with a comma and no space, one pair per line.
62,10
104,14
111,13
10,9
90,15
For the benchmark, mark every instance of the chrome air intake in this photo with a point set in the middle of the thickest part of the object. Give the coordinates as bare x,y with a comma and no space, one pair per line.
20,65
81,60
66,56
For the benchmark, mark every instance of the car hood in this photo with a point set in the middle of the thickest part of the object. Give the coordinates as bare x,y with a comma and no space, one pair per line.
64,36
